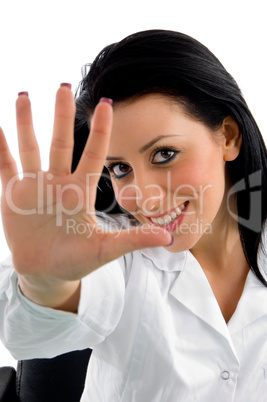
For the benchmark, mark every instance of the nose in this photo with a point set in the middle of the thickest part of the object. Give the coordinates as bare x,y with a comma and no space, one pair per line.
145,194
150,196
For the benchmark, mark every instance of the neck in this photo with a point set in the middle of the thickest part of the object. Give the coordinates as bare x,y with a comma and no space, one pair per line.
218,251
223,261
221,250
221,256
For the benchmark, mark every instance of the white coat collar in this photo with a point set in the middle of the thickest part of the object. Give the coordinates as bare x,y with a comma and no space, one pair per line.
193,290
191,287
252,305
165,260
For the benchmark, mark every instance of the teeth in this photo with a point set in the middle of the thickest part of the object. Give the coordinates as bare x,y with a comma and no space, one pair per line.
161,221
168,218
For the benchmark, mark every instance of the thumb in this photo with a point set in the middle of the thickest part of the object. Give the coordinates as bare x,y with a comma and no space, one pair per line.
128,240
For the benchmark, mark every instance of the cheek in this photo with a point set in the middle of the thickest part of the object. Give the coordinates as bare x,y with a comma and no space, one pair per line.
187,178
199,181
126,195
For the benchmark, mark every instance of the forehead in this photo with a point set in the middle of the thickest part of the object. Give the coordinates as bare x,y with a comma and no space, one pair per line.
145,116
138,121
147,105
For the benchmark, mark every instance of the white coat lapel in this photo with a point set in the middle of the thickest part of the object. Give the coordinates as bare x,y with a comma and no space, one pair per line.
252,305
193,290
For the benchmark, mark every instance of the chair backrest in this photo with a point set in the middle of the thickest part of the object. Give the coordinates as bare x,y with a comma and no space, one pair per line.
8,384
60,379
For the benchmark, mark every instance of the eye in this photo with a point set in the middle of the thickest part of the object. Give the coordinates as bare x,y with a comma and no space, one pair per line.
119,169
164,155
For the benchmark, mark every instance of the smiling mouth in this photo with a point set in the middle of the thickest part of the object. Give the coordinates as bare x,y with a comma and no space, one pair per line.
170,217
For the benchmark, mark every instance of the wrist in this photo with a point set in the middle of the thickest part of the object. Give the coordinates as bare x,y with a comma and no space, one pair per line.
56,294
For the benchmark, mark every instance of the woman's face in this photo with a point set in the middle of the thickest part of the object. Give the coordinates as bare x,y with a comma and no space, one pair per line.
166,168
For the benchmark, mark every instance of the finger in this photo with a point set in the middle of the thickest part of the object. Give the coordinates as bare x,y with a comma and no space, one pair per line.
8,168
63,133
92,160
126,241
28,147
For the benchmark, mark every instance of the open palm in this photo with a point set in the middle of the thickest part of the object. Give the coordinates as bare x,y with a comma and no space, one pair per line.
37,209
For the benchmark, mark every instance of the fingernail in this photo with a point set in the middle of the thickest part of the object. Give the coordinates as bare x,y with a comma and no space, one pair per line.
23,93
65,84
107,100
171,243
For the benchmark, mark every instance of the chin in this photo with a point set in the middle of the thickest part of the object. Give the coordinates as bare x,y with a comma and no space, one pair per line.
183,242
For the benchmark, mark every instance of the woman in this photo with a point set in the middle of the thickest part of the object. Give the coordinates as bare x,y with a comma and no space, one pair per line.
178,309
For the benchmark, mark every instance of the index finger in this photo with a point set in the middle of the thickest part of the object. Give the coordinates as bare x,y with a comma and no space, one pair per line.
8,168
96,148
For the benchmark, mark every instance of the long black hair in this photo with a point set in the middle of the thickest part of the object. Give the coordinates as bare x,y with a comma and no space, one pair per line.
176,65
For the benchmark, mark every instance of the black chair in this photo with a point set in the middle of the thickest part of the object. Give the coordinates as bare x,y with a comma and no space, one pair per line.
60,379
8,384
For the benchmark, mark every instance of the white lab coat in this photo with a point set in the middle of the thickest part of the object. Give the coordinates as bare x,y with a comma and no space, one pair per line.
156,329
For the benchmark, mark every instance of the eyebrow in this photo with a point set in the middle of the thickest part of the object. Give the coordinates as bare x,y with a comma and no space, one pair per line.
144,148
150,143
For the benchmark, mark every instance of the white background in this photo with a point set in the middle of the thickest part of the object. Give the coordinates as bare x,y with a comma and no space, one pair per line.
45,43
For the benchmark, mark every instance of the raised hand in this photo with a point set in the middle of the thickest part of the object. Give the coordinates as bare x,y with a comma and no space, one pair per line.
37,209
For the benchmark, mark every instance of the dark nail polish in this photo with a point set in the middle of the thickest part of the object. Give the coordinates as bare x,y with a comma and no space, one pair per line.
65,84
171,243
23,93
107,100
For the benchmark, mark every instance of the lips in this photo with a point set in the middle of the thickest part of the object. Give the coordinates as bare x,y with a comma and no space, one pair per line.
170,217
